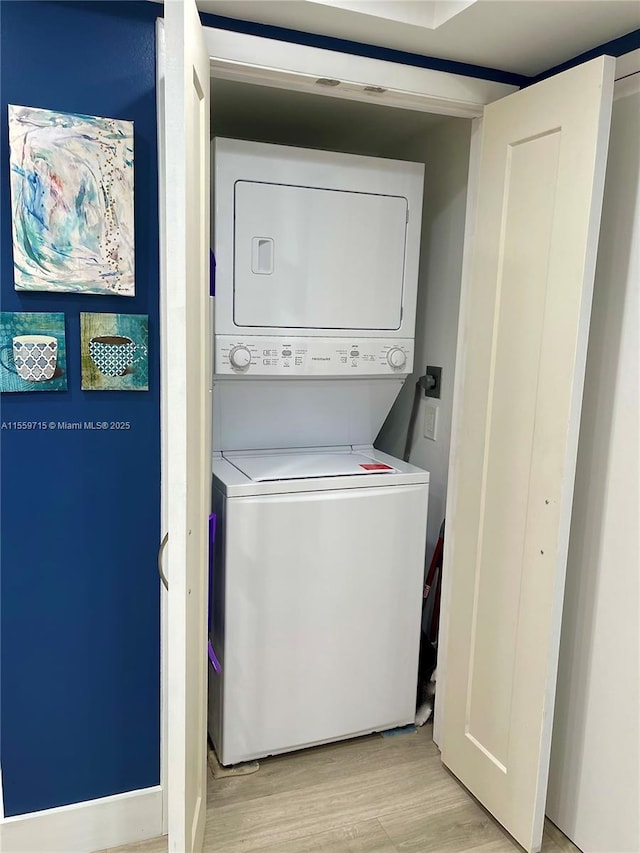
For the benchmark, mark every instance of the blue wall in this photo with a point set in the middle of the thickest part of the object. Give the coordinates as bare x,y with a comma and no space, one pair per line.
79,593
357,48
616,47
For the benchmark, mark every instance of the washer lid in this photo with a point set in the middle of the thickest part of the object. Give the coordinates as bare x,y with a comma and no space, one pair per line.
298,466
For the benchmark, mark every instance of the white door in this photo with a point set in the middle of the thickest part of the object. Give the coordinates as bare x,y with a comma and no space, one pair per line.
539,198
187,407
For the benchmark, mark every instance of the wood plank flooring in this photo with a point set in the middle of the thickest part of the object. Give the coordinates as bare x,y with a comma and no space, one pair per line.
369,795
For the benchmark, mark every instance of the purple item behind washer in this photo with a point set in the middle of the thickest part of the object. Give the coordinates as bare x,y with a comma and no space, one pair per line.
212,274
215,663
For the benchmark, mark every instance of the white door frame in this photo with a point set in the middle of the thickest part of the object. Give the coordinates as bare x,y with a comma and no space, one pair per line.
164,416
267,62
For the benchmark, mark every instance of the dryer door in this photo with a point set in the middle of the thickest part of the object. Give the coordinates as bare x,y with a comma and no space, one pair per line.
308,258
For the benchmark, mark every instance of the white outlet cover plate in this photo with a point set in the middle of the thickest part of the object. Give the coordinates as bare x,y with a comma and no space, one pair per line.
430,421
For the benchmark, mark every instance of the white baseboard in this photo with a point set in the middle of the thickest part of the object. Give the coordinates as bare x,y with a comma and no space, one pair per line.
86,827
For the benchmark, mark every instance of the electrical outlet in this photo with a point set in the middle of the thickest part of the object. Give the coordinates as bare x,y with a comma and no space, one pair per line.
432,381
430,421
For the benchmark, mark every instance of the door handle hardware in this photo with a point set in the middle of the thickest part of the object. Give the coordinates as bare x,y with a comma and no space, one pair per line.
163,577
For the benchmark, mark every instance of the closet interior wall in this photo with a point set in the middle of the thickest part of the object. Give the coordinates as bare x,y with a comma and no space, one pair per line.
280,116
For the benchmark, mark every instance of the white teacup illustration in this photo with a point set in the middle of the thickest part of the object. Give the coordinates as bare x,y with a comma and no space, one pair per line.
32,357
114,354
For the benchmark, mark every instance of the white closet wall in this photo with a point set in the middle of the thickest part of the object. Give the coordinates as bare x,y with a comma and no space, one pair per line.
445,152
259,113
594,790
284,117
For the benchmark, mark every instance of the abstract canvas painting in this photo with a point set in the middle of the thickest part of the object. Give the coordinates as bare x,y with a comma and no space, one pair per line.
114,352
32,352
71,202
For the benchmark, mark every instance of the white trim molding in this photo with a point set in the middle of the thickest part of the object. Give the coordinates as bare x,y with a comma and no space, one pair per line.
266,62
627,75
87,826
627,86
164,414
627,64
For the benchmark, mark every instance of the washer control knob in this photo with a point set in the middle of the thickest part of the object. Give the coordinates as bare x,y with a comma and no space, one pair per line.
240,358
396,358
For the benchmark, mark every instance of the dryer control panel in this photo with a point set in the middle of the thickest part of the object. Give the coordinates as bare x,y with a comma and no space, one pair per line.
297,357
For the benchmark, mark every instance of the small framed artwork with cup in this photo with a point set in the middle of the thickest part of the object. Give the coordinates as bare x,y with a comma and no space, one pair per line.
114,351
32,352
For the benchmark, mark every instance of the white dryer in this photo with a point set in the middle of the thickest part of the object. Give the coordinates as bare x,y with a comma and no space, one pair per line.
312,244
319,556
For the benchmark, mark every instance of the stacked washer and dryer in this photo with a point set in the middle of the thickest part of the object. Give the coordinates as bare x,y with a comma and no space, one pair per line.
319,556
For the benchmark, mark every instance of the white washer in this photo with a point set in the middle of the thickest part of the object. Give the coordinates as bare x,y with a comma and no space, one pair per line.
316,597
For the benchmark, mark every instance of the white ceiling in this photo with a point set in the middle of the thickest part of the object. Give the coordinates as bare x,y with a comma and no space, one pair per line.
520,36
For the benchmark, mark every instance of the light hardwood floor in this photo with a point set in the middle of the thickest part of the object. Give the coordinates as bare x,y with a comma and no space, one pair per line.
369,795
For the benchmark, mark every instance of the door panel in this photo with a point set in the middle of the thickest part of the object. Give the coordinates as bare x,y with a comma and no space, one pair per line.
311,258
188,407
539,198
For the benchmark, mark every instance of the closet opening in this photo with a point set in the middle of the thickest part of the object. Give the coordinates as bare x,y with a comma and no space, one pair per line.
260,113
251,112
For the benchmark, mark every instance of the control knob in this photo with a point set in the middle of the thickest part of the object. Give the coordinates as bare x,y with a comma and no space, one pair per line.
240,358
396,357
